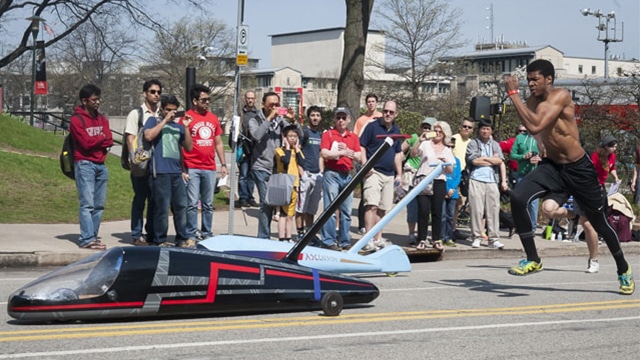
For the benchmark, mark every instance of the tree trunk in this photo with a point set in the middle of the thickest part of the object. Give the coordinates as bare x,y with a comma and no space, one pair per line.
351,82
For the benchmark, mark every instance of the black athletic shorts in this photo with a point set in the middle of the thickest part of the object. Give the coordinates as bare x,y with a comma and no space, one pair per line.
578,179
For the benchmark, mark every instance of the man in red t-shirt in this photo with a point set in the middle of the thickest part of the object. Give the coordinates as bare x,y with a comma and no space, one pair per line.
339,148
200,163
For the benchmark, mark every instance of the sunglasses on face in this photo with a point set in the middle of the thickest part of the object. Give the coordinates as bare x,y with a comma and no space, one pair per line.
205,100
522,131
341,117
426,127
390,112
467,127
154,92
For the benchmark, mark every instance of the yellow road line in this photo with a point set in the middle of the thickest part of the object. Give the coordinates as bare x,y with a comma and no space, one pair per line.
89,331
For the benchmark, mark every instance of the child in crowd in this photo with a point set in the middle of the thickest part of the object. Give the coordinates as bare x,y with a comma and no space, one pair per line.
287,158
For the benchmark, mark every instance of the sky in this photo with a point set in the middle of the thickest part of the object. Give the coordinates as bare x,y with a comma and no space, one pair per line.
541,22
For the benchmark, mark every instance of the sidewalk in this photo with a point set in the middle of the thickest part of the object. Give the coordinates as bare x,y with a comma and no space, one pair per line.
55,244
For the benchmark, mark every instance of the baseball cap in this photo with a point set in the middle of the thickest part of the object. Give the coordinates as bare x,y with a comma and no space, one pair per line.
607,140
429,120
343,110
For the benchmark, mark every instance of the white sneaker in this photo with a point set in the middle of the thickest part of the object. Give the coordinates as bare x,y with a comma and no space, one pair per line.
593,266
496,244
381,243
476,243
362,230
369,247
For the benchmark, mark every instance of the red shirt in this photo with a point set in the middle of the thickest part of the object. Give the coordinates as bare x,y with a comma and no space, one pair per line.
506,147
204,129
602,172
351,140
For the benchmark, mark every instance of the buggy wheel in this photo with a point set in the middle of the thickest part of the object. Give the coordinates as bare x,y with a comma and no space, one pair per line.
331,303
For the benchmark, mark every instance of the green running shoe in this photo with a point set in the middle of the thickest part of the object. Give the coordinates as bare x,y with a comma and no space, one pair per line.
526,267
627,285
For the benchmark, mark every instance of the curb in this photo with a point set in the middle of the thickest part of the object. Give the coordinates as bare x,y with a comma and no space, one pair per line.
47,258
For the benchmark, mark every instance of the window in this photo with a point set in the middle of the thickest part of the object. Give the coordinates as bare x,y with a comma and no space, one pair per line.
593,70
579,69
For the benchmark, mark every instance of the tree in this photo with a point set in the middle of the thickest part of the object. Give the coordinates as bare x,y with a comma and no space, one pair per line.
97,52
206,44
351,81
72,14
418,33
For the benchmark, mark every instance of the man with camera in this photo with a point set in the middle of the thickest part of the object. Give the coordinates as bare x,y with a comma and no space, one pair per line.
265,130
167,187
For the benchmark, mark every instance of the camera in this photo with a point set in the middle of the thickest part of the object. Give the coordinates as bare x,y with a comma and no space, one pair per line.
283,111
534,153
179,114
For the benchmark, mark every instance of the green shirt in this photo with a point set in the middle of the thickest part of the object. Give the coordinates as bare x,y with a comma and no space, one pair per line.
414,162
524,144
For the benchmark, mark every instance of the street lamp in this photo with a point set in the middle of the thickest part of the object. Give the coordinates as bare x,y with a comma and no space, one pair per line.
603,32
35,28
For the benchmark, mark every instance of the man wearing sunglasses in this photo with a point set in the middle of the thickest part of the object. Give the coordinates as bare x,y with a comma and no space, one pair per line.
265,130
462,139
151,91
200,163
378,190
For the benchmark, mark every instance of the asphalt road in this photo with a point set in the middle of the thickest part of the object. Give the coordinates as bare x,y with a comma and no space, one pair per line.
453,309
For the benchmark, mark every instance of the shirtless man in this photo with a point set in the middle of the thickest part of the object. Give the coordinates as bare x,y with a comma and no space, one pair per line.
548,114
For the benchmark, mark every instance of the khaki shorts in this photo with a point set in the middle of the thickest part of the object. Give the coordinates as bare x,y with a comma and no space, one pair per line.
378,190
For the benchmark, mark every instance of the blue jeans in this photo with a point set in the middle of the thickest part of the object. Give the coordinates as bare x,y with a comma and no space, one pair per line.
260,178
141,194
448,211
332,185
169,190
532,207
91,182
200,187
245,181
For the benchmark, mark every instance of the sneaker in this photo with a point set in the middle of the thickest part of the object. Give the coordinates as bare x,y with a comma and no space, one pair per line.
496,244
346,247
362,230
526,267
166,244
369,247
593,266
413,240
330,247
382,243
458,235
140,242
253,203
476,243
450,243
627,285
189,243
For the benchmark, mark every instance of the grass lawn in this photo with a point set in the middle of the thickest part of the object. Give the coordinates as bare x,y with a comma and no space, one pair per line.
34,190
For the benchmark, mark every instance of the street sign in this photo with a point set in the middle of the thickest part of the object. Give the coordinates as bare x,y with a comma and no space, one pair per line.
242,59
242,45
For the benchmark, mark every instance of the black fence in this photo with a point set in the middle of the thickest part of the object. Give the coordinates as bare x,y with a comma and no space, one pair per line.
53,121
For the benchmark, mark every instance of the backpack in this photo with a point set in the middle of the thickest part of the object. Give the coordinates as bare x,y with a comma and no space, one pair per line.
137,161
67,156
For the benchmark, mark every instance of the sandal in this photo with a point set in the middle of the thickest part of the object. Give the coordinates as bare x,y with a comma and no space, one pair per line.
421,245
94,245
438,245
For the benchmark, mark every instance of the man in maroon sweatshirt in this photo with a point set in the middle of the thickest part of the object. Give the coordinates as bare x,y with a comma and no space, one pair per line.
92,140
